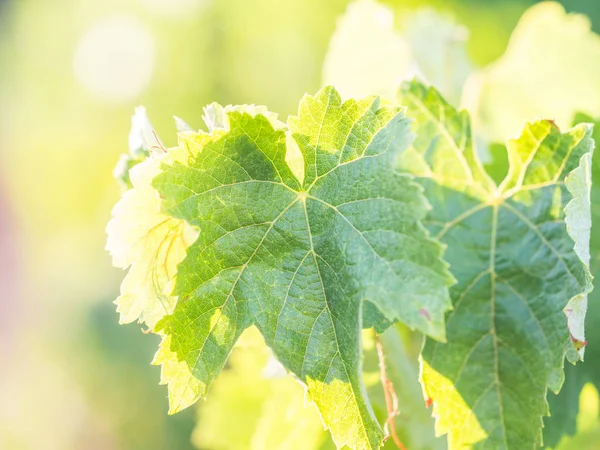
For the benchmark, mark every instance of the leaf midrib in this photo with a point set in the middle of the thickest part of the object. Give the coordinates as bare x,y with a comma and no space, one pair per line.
493,278
492,270
337,342
230,295
311,251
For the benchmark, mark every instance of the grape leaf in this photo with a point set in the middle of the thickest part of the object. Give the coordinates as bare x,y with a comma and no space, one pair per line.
511,249
297,258
182,125
548,49
145,239
149,241
141,140
564,407
439,48
140,235
367,55
534,78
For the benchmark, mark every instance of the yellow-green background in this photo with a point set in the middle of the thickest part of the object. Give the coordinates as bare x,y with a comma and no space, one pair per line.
70,376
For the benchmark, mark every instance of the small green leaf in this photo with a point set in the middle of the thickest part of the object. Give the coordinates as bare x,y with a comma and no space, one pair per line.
142,139
182,125
299,257
141,237
511,249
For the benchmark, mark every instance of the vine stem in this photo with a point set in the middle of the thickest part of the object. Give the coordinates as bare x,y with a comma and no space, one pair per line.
391,399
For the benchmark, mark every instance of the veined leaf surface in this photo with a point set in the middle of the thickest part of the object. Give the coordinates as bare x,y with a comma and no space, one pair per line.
140,236
298,258
516,251
564,407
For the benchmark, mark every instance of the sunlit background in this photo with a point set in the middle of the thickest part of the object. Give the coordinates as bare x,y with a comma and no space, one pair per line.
71,73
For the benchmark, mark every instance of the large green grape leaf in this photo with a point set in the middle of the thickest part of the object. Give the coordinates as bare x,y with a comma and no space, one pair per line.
517,256
564,406
299,258
550,70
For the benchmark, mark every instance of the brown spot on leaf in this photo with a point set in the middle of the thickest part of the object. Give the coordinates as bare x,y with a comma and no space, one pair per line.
578,344
552,122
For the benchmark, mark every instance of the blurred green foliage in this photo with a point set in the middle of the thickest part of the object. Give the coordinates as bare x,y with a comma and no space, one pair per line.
77,379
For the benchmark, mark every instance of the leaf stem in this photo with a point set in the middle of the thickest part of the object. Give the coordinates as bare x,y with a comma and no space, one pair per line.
391,399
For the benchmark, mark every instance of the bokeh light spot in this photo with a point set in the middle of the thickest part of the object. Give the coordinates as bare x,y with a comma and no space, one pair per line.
114,59
175,7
